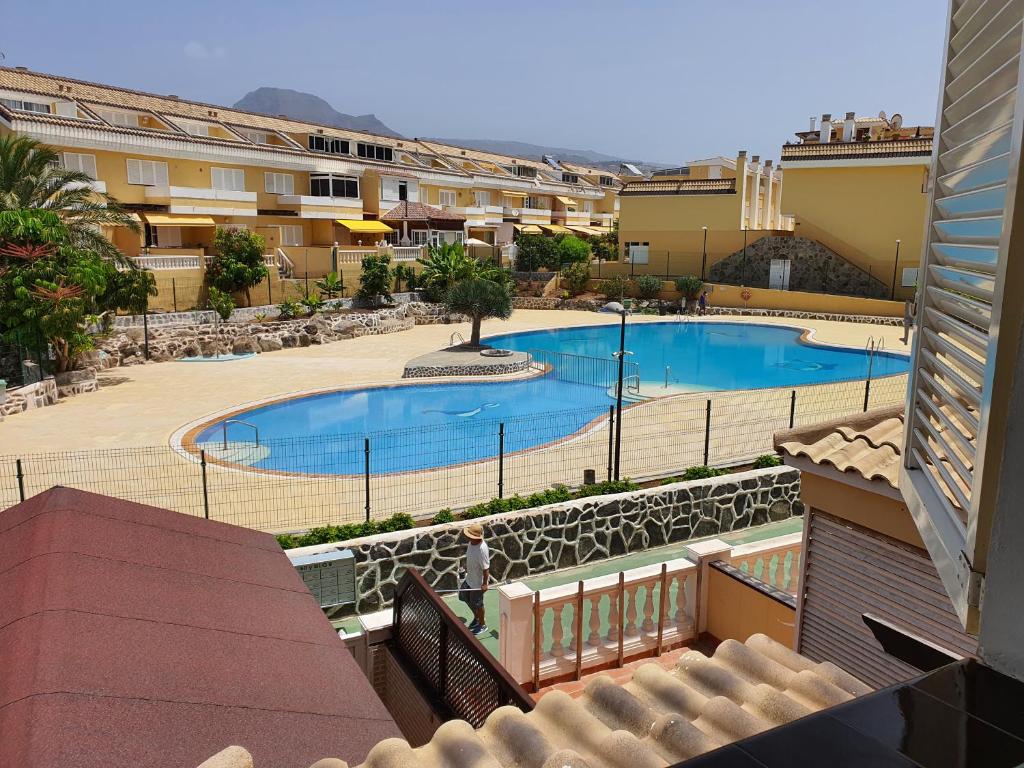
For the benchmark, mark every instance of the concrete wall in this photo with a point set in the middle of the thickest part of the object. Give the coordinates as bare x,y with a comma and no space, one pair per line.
736,611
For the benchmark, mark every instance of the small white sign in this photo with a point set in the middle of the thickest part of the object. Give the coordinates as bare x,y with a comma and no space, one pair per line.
329,576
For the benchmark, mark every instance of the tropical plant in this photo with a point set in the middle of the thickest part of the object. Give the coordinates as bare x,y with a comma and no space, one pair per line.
376,278
129,290
331,285
614,288
572,250
535,252
447,264
575,278
288,309
647,286
49,286
767,460
312,302
479,298
221,302
403,274
238,265
31,178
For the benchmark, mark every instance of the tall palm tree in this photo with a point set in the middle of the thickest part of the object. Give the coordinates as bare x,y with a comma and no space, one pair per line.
31,178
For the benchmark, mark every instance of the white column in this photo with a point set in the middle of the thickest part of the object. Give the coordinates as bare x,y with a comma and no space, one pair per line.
755,197
769,214
703,553
515,630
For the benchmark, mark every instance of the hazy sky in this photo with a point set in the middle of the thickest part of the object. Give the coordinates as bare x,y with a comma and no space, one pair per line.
647,79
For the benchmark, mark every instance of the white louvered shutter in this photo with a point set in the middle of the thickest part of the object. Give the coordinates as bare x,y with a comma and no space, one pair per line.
969,301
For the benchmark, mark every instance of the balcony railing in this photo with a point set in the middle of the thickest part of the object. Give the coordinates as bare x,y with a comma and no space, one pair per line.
156,263
200,193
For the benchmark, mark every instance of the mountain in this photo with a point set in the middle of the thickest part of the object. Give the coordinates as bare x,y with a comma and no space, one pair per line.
524,149
306,106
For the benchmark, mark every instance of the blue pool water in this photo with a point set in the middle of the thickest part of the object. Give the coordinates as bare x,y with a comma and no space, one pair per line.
421,426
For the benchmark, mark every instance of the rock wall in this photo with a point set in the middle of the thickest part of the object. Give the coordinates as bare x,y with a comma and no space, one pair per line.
558,536
813,268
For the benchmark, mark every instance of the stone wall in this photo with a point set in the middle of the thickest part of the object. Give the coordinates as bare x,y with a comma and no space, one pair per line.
800,315
814,267
558,536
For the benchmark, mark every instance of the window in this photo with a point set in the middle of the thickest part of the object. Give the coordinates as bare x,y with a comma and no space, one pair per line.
588,206
257,137
328,185
166,237
540,203
26,106
606,181
636,253
419,237
150,173
446,197
909,277
403,190
232,179
125,119
481,199
328,144
522,170
571,178
395,189
195,129
460,237
291,234
374,152
72,161
279,183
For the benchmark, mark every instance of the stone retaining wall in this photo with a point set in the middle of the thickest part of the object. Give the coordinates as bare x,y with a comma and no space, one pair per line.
803,315
558,536
424,371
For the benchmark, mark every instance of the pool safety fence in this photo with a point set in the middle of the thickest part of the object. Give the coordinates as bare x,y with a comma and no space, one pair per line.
291,484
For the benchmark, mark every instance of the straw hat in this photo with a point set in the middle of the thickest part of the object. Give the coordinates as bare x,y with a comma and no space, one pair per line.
474,532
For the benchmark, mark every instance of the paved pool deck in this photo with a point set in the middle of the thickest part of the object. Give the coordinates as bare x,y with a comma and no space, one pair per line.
593,570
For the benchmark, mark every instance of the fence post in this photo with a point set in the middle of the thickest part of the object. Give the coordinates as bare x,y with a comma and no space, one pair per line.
21,479
867,392
707,433
174,294
366,474
206,493
270,290
611,438
501,460
792,408
145,328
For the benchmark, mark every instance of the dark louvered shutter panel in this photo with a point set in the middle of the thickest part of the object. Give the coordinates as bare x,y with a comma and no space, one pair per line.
852,571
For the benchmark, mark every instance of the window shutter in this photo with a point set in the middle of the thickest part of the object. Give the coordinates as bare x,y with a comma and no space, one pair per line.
968,315
134,171
389,188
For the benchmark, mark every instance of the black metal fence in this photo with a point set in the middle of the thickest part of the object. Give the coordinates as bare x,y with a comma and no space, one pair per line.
297,483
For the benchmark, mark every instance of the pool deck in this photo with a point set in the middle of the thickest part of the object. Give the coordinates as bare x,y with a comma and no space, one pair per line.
144,405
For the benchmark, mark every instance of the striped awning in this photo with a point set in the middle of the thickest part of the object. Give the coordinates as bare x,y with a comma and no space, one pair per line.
511,193
556,229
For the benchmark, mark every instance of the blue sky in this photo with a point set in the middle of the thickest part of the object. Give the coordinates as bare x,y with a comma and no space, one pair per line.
647,79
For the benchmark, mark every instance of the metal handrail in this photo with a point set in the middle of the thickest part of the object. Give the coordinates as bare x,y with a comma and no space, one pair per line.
456,335
224,430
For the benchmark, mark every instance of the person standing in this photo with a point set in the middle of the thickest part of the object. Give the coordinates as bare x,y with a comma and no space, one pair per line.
478,564
702,303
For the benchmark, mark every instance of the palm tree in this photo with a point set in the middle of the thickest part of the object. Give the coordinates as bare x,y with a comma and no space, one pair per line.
449,263
479,298
31,178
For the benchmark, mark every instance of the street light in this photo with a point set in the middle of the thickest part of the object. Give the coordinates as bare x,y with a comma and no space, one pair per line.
614,306
704,257
895,264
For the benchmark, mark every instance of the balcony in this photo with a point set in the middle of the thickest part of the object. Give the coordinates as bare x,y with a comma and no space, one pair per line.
162,259
315,207
216,202
575,218
528,215
99,187
478,215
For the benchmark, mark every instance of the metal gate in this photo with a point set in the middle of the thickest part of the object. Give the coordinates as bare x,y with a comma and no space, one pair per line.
778,274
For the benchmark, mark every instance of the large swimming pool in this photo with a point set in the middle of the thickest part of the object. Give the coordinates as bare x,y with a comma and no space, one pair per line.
421,426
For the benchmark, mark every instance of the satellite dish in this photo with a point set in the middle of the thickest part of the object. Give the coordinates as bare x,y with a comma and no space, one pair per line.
897,121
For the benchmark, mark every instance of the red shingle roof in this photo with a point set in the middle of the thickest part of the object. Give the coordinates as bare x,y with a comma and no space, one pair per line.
406,211
135,636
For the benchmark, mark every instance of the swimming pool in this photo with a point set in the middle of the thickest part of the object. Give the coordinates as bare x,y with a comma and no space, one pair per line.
423,426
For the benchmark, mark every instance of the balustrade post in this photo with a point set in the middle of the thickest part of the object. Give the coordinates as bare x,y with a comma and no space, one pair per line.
662,601
518,640
578,630
703,553
620,599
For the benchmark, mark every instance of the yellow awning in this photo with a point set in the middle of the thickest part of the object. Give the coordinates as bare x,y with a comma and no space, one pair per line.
510,193
581,230
557,229
567,201
365,225
178,220
528,229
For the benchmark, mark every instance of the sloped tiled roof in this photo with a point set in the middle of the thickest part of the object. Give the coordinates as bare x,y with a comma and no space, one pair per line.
857,150
680,187
868,445
406,211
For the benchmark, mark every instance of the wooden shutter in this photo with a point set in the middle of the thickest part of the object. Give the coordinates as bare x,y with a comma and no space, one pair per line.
953,441
850,571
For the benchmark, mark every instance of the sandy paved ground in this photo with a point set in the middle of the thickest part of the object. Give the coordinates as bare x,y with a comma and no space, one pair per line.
143,406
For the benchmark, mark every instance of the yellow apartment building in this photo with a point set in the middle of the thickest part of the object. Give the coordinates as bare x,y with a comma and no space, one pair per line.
683,220
860,187
322,197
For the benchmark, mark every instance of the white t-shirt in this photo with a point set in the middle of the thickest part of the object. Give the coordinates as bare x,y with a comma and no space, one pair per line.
478,560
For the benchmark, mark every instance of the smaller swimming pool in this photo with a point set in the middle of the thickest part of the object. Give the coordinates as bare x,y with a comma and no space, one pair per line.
227,357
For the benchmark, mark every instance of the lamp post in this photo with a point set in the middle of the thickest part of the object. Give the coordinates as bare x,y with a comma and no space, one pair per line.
744,255
614,306
895,265
704,255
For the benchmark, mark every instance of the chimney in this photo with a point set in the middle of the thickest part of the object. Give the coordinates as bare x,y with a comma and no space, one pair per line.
849,128
814,123
826,129
755,159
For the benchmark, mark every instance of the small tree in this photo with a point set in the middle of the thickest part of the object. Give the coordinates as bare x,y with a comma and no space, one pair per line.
376,278
536,251
238,265
575,278
479,298
606,246
614,288
129,290
573,250
221,303
690,287
648,286
312,302
331,285
404,274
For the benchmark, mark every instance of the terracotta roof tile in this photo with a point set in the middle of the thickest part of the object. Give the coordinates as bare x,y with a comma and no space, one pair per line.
868,445
680,187
856,150
406,211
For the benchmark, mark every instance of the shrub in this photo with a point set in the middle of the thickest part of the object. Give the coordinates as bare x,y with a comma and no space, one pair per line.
404,274
221,303
696,473
614,287
288,309
376,278
606,487
572,250
238,265
767,460
535,252
329,534
331,285
443,516
690,286
648,286
312,302
575,278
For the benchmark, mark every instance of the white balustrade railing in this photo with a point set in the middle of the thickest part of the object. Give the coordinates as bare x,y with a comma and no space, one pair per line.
775,561
406,252
167,262
354,255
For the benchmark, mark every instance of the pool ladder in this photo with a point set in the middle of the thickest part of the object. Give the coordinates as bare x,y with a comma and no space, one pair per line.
454,336
224,430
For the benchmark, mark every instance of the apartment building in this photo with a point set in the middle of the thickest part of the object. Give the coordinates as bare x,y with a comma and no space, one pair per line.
859,186
683,220
317,194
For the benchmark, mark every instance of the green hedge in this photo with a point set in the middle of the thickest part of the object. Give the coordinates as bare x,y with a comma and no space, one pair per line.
331,533
696,473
